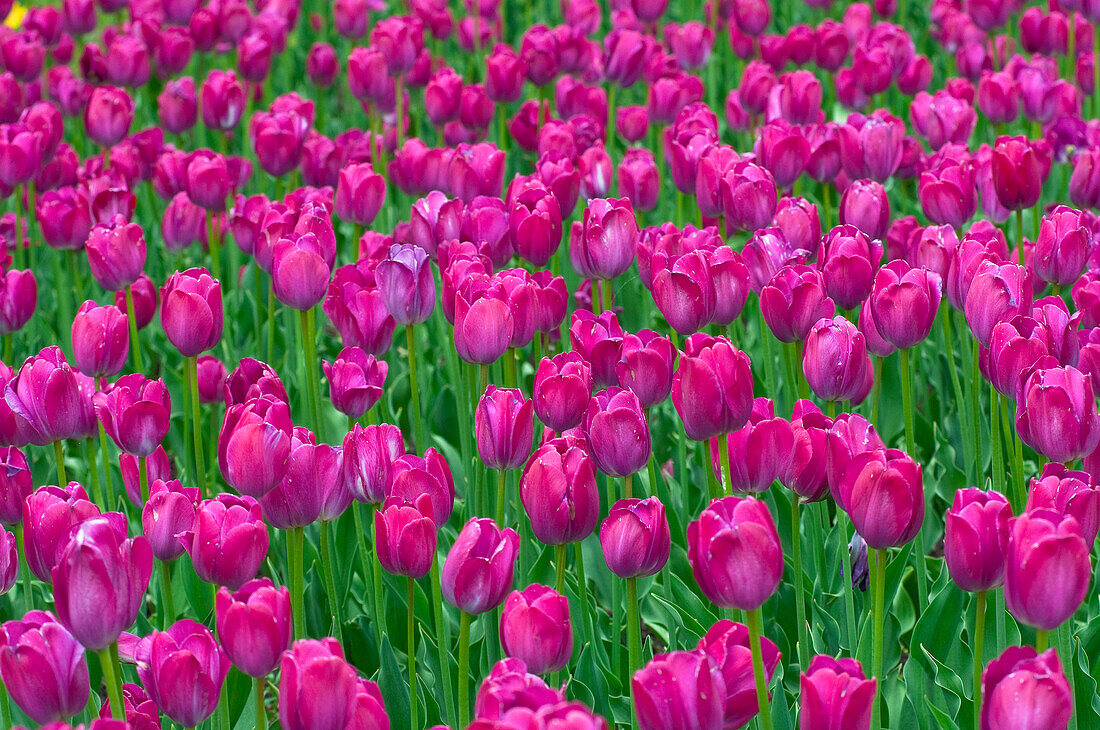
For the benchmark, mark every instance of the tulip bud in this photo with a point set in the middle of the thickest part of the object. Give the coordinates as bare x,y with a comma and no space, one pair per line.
727,645
44,397
1061,248
43,667
735,554
359,194
975,539
645,367
183,669
355,381
228,541
535,628
509,686
311,469
1019,169
759,451
851,260
681,689
317,688
169,513
617,432
1067,492
559,493
835,361
101,341
406,533
562,389
254,444
1056,413
602,246
108,115
793,301
191,313
405,280
135,413
255,625
223,101
504,427
712,388
116,253
1023,686
1047,569
885,499
100,581
599,340
835,694
864,205
635,537
478,570
904,303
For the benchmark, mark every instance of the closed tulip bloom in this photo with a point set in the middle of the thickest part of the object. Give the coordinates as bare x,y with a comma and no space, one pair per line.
509,686
317,688
749,196
1047,569
406,536
359,194
178,105
100,581
835,695
369,454
207,180
1056,414
735,554
255,625
851,260
760,451
948,195
254,444
1067,492
784,151
599,340
793,301
311,469
300,273
44,397
405,280
646,367
108,115
135,413
355,381
50,514
183,669
145,298
559,492
101,340
413,476
727,645
223,100
228,542
43,667
141,712
806,472
116,253
191,311
1015,347
483,328
617,432
252,379
477,573
635,537
904,302
169,513
1061,248
681,690
1018,172
999,97
864,205
504,427
322,65
356,307
639,179
997,292
1023,688
712,388
975,539
885,499
684,290
602,246
18,298
835,361
277,139
562,389
535,628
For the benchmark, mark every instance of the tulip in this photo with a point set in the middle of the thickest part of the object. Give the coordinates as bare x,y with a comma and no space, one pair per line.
504,426
727,645
997,292
509,686
250,380
1056,414
599,340
1061,248
680,689
254,624
405,280
140,711
100,340
178,106
639,179
645,367
835,694
562,389
44,398
108,115
835,361
317,688
948,195
904,302
191,313
168,513
535,628
975,539
369,454
228,542
749,196
144,295
1047,568
851,260
100,581
730,534
793,301
355,381
254,444
16,485
311,468
211,377
322,65
1067,492
300,273
116,253
43,667
712,388
885,499
1018,172
602,245
406,535
635,537
50,514
370,711
1023,687
617,433
864,205
359,194
223,101
756,454
684,290
478,570
135,413
183,669
559,493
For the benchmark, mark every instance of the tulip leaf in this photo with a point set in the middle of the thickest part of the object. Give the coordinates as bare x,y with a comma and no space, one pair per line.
395,691
1086,704
592,680
238,691
961,707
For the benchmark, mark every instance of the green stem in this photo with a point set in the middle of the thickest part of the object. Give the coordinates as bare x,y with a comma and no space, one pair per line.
724,460
412,653
196,423
502,477
714,490
997,457
877,625
559,568
608,291
911,449
628,486
464,670
168,609
261,708
979,663
330,580
379,599
295,549
956,385
415,415
1040,641
271,324
1019,485
112,677
1020,236
975,413
135,343
849,588
634,633
143,479
799,584
442,642
310,343
215,248
93,470
24,568
108,481
5,706
59,457
755,623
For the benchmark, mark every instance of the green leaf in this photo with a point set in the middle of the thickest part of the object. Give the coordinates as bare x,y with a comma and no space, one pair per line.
395,690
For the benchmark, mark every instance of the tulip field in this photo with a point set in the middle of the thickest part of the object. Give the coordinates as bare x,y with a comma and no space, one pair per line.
549,364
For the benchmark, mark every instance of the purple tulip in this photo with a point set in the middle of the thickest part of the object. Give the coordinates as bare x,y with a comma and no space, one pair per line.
617,432
835,694
835,361
735,554
535,628
682,690
975,539
43,667
255,625
135,413
317,688
712,388
727,645
1056,413
183,669
477,573
904,302
228,541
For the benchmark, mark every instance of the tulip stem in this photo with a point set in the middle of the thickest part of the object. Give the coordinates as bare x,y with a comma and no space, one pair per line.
261,708
112,677
559,568
295,547
215,248
979,640
93,471
271,324
634,634
411,584
330,580
414,415
878,585
628,487
59,456
442,641
608,295
464,670
24,569
5,706
726,472
502,476
135,343
196,422
755,623
849,563
309,341
956,384
714,491
380,602
1040,641
911,449
1019,484
995,442
799,583
168,609
143,479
